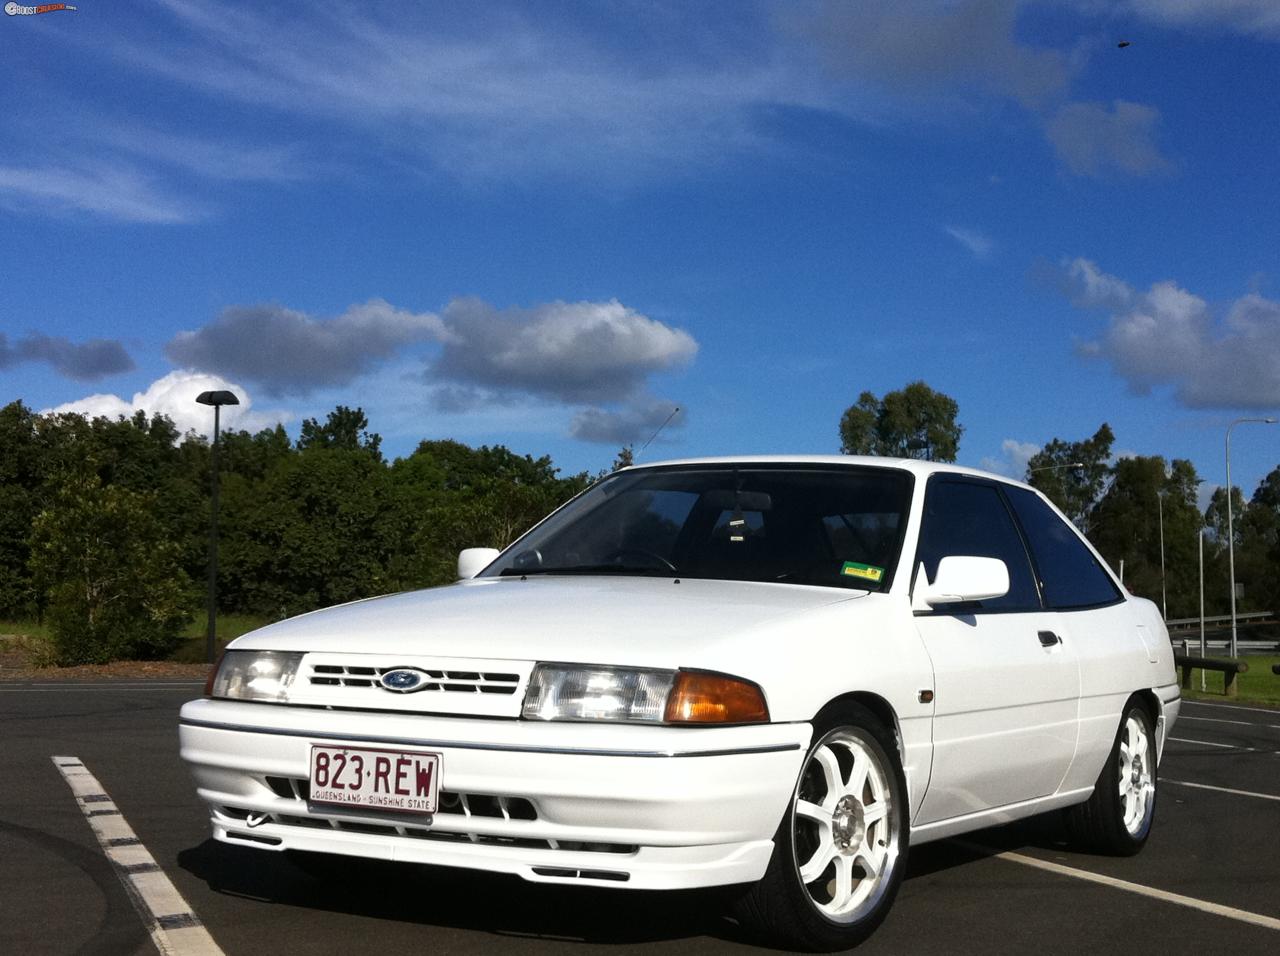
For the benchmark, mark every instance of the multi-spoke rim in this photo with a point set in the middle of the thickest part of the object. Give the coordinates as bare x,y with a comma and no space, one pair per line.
844,826
1137,778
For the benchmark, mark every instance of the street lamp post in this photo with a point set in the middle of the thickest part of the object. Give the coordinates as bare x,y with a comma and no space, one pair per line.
217,400
1164,595
1231,537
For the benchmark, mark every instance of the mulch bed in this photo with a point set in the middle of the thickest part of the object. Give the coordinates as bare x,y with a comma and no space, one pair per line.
14,667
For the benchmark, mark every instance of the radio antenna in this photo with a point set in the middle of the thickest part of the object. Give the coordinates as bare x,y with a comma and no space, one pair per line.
674,412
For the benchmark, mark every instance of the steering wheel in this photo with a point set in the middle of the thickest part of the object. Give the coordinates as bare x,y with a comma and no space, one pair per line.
652,558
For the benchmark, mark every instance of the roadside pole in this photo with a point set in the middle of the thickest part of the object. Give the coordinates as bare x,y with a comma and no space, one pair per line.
1202,648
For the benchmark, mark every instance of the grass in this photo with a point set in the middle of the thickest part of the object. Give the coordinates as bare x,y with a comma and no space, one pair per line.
33,639
1256,686
230,626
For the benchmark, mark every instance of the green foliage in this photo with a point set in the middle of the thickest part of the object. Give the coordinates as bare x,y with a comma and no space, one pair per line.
345,428
913,422
1074,475
1126,525
111,574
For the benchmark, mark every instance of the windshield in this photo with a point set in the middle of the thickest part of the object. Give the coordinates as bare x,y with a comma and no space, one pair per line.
832,526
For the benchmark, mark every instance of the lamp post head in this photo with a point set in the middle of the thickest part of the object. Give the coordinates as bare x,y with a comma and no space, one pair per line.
217,398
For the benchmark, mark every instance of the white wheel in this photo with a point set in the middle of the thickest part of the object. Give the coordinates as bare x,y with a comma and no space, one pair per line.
1117,818
1137,776
844,840
841,847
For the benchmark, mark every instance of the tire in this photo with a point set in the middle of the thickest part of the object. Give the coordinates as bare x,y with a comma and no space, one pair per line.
841,849
1117,819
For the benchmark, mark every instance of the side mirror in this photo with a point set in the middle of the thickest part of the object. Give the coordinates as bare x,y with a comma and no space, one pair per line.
961,579
471,561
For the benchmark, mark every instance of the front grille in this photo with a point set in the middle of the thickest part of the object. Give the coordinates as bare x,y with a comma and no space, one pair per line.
464,804
458,682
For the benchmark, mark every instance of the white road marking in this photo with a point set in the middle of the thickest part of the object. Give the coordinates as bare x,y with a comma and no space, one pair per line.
174,928
1219,720
1205,786
1217,909
1208,743
1252,710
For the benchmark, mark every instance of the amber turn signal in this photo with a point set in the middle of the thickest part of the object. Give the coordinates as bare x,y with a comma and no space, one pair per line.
698,698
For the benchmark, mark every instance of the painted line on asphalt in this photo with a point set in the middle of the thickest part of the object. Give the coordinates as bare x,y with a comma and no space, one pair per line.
174,928
1219,720
1210,743
1252,710
1205,786
1217,909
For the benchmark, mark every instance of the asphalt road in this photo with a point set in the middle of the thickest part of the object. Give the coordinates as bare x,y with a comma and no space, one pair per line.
59,894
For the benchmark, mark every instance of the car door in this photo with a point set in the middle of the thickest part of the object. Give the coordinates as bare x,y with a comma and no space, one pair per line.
1006,686
1110,644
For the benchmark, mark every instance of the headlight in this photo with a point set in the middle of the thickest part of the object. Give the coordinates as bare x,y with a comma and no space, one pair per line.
578,692
255,675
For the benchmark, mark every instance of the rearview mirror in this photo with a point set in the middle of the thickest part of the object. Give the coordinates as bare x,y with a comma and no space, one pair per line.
961,579
471,561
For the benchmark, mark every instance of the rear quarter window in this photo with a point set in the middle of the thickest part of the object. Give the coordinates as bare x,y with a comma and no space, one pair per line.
1070,576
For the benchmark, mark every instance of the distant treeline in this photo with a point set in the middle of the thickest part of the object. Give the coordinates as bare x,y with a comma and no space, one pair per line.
104,523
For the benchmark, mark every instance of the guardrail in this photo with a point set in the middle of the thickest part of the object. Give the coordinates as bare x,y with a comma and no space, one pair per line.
1252,617
1229,670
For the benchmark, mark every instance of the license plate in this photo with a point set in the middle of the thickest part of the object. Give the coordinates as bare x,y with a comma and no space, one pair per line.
405,781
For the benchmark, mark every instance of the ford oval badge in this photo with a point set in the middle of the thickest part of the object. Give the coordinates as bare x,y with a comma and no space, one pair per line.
403,680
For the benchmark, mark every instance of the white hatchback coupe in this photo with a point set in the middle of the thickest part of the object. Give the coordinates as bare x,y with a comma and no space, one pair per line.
776,672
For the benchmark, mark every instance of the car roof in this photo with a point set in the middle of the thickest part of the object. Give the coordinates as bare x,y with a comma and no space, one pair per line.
919,468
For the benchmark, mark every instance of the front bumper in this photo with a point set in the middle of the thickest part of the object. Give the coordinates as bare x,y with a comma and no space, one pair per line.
610,805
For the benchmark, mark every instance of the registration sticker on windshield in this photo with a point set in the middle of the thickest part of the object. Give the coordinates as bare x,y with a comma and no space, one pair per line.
868,572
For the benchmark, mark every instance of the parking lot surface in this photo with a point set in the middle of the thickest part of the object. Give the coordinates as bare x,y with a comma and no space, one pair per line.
1208,881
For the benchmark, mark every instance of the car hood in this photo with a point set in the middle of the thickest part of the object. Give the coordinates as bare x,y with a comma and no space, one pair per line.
654,622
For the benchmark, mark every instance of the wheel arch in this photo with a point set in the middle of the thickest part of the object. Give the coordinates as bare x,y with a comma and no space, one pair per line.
880,708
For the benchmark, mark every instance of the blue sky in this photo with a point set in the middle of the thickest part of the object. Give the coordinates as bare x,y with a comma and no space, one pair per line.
549,224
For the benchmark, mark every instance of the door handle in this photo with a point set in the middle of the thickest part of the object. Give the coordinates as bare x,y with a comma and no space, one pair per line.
1048,638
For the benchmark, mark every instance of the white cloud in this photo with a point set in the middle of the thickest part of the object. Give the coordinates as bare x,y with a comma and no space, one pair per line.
1090,288
631,425
120,193
570,352
1092,139
174,395
929,47
977,243
289,352
1168,336
1260,17
1013,458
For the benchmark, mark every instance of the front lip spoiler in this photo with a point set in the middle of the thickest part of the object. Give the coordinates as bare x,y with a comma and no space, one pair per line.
465,745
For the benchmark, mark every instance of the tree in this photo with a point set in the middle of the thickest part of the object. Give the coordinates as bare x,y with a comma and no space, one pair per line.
113,578
626,458
345,428
314,532
1126,525
913,422
1076,490
21,477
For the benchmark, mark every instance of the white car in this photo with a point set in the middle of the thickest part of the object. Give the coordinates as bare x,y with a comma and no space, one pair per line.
776,672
